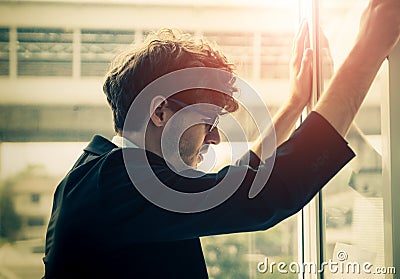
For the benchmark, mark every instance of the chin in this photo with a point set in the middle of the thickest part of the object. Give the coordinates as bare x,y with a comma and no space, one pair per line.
191,162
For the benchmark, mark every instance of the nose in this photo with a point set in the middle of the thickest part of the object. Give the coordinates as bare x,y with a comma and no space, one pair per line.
213,137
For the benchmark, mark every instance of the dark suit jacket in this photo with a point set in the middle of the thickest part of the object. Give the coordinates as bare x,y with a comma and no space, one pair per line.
102,227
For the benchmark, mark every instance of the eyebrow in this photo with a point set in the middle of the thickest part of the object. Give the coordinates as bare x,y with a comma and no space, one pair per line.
192,108
182,104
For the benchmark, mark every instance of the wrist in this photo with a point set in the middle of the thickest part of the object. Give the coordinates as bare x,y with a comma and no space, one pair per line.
296,103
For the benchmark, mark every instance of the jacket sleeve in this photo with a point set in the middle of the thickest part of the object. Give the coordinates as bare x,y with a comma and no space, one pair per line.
313,154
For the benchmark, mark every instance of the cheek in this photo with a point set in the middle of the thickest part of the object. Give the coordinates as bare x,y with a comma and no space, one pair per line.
194,136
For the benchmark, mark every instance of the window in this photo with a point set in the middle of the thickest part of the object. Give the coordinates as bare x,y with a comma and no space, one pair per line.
260,56
35,198
98,48
276,49
4,51
44,52
239,47
352,205
35,221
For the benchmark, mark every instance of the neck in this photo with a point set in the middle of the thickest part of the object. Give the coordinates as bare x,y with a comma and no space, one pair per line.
150,142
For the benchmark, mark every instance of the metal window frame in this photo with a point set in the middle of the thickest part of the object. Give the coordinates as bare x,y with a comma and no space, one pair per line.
391,162
312,217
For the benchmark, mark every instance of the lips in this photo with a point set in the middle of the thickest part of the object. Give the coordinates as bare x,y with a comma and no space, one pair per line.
203,149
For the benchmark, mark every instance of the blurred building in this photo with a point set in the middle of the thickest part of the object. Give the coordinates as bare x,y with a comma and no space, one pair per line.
32,194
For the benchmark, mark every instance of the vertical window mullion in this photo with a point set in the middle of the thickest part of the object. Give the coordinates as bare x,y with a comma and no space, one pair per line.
312,213
317,92
13,44
76,60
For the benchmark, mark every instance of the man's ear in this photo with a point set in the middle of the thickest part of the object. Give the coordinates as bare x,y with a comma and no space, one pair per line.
158,111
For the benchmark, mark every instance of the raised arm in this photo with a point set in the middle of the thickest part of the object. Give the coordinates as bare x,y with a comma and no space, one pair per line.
379,33
300,69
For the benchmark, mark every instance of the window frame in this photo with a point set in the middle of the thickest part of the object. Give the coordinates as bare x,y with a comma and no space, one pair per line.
313,219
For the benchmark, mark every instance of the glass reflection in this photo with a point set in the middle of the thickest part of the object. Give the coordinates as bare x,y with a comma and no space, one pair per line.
352,201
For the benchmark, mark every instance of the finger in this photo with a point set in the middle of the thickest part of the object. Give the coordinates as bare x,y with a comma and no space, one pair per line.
306,65
327,61
307,39
299,38
305,75
299,44
323,39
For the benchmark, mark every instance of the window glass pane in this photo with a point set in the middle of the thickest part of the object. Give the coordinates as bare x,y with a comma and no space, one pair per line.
260,56
238,47
98,47
352,201
4,51
239,255
44,52
275,54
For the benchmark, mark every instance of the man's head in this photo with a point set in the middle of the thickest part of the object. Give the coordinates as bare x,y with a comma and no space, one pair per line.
164,52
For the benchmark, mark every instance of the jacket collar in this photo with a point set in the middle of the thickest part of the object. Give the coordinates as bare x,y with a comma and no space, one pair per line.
100,145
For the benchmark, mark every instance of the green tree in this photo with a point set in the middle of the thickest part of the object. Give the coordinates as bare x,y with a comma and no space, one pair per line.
10,221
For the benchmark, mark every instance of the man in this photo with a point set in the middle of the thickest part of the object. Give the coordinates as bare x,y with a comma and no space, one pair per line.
104,222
